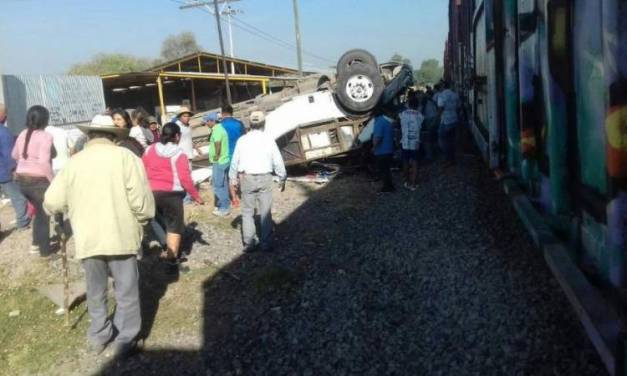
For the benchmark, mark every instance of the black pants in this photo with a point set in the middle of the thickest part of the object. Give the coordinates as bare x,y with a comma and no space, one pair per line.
384,164
34,189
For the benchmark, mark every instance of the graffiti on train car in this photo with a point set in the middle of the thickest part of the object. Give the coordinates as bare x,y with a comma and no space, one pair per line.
563,104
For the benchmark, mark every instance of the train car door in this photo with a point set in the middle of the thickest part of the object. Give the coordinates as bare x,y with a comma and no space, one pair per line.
480,85
510,90
495,80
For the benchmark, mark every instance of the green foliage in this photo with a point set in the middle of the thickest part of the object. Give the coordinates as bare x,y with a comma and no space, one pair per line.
176,46
397,58
173,47
103,63
430,72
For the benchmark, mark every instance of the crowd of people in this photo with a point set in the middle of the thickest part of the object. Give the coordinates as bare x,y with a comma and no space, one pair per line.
122,175
426,125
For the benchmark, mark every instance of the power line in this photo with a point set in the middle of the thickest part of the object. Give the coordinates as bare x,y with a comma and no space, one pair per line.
284,42
244,26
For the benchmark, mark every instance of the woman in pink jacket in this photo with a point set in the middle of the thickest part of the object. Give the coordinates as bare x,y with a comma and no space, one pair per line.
170,177
34,152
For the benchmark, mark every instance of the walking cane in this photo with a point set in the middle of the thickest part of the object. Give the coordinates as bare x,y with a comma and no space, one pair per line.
66,276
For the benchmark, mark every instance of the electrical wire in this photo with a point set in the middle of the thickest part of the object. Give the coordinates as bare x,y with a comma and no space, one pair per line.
244,26
282,41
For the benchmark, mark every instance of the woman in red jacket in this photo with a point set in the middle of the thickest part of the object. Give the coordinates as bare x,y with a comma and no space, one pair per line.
170,177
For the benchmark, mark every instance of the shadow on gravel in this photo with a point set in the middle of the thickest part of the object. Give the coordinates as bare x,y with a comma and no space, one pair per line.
239,298
342,295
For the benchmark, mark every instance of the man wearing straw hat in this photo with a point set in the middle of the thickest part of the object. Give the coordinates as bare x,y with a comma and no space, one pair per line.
105,191
182,120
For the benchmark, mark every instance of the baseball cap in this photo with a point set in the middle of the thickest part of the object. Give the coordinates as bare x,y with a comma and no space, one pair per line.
212,116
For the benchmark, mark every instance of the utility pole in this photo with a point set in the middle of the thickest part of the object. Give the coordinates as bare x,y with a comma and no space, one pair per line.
217,14
229,12
299,51
226,74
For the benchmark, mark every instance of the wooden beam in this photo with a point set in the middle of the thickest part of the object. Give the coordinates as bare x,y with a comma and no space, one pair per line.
193,96
213,76
166,65
180,67
245,68
199,65
218,65
161,99
264,87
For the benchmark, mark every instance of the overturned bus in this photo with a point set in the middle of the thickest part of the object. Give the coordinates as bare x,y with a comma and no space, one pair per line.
321,115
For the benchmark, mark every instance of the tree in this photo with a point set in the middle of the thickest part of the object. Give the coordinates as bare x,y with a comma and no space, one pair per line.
397,58
430,72
176,46
104,63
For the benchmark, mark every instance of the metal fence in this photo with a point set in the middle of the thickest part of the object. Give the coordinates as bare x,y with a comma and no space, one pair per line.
71,100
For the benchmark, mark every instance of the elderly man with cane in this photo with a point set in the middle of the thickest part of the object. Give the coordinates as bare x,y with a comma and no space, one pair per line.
255,158
106,194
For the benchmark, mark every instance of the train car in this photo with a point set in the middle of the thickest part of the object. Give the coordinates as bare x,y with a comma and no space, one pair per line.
545,84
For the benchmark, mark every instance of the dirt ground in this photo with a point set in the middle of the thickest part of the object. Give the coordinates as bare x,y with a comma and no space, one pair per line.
36,341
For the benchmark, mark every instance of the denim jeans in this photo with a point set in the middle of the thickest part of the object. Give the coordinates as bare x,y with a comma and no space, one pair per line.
446,137
220,181
12,189
34,189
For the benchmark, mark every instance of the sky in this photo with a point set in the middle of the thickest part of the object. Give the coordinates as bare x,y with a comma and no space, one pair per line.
48,36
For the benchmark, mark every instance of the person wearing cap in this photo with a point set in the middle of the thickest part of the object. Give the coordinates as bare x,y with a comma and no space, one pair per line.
219,157
108,199
183,117
234,129
153,126
255,159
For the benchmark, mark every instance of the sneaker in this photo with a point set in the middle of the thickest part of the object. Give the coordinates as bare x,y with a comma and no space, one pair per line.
413,188
388,190
222,213
407,186
172,261
215,211
249,249
96,349
34,250
123,350
184,269
23,228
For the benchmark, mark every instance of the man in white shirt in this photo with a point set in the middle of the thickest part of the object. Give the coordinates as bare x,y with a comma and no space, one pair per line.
255,158
411,124
448,107
182,121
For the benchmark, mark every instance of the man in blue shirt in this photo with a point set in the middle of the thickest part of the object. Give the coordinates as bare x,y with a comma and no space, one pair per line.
383,149
234,129
7,166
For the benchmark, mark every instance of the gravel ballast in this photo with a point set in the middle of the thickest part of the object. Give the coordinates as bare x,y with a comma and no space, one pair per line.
441,281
